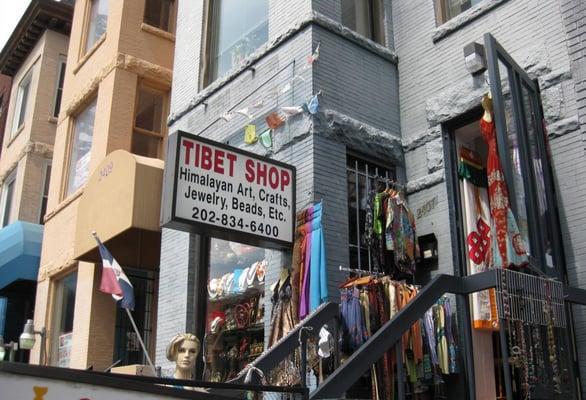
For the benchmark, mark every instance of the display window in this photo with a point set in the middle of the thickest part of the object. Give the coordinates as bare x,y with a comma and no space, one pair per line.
234,324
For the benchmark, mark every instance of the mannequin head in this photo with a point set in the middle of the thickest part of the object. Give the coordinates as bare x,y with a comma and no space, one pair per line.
183,349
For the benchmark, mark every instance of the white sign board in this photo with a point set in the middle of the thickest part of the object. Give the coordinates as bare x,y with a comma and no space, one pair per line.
221,191
16,387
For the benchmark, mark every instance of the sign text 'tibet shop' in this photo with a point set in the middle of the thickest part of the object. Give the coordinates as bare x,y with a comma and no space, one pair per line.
228,193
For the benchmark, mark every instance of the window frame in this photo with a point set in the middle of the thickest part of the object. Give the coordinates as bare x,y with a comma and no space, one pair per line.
84,47
71,142
47,166
377,16
208,46
172,17
59,83
18,104
148,86
390,173
10,180
57,313
442,13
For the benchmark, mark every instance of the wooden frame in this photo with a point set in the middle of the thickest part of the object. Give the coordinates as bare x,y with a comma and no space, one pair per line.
164,91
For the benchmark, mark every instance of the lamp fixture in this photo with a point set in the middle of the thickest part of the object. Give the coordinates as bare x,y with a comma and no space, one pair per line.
475,58
27,338
12,347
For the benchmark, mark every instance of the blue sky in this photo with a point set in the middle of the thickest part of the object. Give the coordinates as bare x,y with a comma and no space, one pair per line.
12,10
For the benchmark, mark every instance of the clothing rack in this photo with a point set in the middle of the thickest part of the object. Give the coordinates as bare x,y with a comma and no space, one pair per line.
360,272
389,182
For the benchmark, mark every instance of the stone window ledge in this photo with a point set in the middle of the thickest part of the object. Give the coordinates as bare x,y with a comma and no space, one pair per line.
158,32
89,53
464,19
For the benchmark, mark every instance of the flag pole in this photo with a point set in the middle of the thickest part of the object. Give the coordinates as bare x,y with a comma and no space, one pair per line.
95,235
141,342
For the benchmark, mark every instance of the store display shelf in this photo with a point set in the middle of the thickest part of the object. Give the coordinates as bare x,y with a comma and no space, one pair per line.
236,297
252,328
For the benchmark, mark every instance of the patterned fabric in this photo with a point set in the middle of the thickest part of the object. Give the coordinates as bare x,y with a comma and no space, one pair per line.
477,230
282,318
507,247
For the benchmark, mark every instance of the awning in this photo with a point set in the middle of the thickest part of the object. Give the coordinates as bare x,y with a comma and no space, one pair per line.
122,203
20,252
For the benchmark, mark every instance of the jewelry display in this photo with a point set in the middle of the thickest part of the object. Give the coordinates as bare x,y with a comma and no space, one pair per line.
235,329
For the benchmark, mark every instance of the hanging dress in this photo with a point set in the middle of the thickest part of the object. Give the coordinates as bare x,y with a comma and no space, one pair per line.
477,230
507,247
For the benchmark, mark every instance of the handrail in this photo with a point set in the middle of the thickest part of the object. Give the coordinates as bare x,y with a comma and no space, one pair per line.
392,331
287,344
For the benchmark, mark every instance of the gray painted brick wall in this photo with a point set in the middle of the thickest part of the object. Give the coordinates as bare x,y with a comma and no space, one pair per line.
350,78
546,38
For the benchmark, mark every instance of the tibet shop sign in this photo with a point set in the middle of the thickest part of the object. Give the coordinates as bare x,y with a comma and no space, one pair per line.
221,191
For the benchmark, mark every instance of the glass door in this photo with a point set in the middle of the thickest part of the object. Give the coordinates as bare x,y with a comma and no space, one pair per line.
549,357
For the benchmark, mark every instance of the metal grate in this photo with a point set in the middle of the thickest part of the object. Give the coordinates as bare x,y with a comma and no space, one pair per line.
126,345
530,298
361,176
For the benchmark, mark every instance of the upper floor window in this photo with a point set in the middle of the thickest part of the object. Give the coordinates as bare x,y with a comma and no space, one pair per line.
235,30
80,150
365,17
448,9
8,199
59,86
149,122
160,13
20,105
96,23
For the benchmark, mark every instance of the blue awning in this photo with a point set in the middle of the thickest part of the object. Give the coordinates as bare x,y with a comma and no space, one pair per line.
20,252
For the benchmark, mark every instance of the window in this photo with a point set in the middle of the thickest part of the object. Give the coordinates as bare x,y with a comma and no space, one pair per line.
59,86
80,152
8,198
45,196
448,9
361,179
97,22
20,105
364,17
160,13
235,30
149,122
126,345
65,290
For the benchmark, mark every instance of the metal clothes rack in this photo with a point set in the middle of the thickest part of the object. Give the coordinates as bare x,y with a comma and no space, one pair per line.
360,272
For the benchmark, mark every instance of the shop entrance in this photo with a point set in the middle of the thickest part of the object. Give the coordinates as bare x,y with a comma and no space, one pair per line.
504,205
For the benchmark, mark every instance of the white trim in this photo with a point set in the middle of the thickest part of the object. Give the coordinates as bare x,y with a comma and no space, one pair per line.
27,78
10,179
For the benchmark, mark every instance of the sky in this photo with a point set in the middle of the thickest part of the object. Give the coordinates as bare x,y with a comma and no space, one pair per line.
11,11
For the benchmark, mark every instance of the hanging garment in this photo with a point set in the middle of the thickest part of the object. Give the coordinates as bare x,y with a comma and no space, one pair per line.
442,341
477,231
318,281
354,332
403,234
507,247
282,318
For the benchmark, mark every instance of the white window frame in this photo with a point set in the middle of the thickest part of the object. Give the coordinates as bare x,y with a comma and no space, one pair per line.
73,142
18,104
11,179
62,64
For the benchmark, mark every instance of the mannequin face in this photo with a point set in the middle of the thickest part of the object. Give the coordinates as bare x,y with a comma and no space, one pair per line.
186,354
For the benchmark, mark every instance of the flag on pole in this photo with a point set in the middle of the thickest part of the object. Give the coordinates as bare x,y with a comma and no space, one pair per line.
114,280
